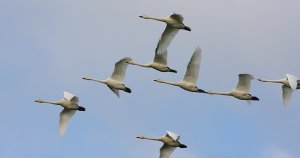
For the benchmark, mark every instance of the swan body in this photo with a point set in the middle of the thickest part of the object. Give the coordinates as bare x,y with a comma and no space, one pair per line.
241,91
170,140
116,81
70,105
191,76
290,83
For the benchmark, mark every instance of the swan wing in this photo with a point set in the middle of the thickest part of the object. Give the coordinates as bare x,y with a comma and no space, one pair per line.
65,116
120,69
177,17
71,97
192,71
286,94
244,83
115,91
165,39
173,135
292,81
166,151
161,58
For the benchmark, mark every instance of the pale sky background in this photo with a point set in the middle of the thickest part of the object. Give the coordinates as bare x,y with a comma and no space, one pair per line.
48,46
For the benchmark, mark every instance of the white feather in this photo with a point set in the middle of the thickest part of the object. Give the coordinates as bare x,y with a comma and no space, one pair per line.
192,71
292,81
71,97
166,151
120,69
244,83
65,116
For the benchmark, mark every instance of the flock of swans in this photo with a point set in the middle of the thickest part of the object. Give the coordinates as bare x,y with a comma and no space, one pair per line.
116,82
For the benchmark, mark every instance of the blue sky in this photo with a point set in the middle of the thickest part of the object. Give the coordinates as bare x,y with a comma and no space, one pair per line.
48,46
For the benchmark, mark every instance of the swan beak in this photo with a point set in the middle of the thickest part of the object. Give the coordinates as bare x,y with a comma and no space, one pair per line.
155,80
141,16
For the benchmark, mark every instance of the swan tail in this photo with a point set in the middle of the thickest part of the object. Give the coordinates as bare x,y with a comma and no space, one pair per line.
80,108
255,98
128,90
182,146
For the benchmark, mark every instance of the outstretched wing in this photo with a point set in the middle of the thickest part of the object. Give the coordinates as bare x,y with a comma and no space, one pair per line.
192,70
286,94
165,39
244,83
65,116
174,136
166,151
292,81
115,91
177,17
161,58
120,69
71,97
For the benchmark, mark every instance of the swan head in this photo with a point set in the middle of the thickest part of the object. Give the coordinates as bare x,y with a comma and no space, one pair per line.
141,137
87,78
157,80
39,100
129,62
143,16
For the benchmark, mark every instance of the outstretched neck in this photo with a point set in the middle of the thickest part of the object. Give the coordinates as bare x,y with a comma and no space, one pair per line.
49,102
153,18
218,93
91,79
273,81
167,82
156,139
142,65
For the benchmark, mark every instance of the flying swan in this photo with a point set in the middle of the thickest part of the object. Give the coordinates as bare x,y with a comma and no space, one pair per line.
116,81
191,75
290,83
170,140
174,23
241,91
70,104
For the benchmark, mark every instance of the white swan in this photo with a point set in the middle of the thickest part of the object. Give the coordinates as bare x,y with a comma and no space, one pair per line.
174,23
290,83
70,104
170,140
241,91
116,81
191,75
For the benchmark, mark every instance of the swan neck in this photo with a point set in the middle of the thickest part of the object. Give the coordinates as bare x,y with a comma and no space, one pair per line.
156,139
273,81
142,65
50,102
167,82
218,93
154,18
